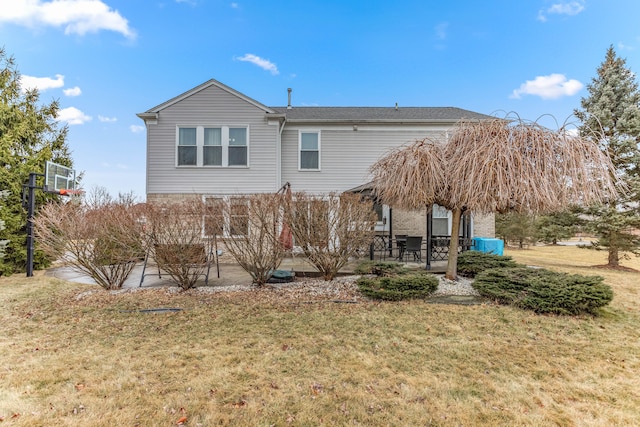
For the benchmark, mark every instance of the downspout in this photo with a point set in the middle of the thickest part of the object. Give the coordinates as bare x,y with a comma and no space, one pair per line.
279,155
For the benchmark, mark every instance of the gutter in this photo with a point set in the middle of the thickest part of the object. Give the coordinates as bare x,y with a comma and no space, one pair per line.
148,116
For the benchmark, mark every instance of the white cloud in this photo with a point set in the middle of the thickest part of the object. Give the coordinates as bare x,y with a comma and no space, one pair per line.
235,5
73,116
73,91
570,8
120,166
104,119
76,16
623,46
41,83
441,30
265,64
136,128
548,87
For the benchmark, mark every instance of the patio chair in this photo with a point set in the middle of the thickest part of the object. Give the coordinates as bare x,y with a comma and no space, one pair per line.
401,243
414,246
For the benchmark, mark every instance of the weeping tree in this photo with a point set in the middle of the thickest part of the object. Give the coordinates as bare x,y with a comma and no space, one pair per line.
495,165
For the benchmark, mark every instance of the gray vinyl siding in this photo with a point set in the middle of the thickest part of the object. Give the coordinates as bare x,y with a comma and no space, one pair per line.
346,155
208,107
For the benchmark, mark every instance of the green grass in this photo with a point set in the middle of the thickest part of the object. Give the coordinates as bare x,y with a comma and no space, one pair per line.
247,359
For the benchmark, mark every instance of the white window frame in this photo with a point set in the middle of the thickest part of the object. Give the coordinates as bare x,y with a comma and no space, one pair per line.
226,203
225,145
440,212
300,168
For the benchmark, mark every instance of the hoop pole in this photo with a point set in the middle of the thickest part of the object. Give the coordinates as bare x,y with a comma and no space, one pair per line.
31,210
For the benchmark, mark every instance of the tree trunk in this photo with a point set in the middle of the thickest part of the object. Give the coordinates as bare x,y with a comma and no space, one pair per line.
452,264
614,258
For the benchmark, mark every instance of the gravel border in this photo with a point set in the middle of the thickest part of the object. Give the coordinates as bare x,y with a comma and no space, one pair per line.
341,288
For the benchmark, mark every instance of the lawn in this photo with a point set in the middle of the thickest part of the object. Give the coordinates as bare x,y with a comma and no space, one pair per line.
75,358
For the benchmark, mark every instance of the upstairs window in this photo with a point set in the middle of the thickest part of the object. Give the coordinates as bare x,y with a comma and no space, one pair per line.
237,146
209,146
309,144
187,147
212,149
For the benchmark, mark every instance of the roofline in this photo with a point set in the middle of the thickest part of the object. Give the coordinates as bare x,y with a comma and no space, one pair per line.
205,85
378,121
147,116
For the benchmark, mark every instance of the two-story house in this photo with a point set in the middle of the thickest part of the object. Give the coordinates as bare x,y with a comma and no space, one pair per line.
213,141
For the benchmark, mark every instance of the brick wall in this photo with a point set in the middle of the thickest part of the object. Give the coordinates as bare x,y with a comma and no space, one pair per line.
414,223
169,197
484,225
410,222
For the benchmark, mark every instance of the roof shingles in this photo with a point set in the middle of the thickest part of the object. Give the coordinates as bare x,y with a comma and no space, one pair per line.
377,114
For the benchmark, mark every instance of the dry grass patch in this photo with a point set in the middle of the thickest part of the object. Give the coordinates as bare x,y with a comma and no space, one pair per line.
245,358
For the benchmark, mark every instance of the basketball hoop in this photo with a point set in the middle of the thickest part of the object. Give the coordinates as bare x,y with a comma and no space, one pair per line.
74,195
69,192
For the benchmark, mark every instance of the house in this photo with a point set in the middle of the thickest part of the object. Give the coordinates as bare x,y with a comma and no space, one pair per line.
214,141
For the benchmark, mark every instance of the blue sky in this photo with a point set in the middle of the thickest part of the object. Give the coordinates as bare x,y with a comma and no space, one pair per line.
106,60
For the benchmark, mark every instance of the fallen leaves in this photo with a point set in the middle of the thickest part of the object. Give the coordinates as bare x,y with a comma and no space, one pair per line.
316,388
239,404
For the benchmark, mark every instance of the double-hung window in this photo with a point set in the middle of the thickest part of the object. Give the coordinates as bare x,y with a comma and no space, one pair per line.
238,217
187,147
309,151
215,146
440,222
212,148
237,146
226,216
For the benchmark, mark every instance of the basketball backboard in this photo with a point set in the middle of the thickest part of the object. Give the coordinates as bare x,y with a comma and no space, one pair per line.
58,177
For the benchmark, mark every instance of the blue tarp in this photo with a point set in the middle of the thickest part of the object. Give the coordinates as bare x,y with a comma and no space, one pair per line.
488,245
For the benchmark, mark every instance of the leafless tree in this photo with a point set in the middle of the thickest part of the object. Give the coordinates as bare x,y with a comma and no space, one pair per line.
495,165
257,220
330,229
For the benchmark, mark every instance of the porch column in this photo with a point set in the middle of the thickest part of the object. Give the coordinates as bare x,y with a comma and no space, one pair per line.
429,233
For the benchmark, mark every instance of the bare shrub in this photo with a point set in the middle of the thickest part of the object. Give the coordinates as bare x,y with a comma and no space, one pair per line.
254,224
331,229
103,240
174,236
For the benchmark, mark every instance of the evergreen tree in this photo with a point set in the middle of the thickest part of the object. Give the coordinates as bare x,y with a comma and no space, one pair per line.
29,136
3,243
557,226
516,227
612,110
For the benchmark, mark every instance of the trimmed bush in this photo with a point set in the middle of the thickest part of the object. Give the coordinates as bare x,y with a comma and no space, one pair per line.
544,291
406,286
380,268
470,263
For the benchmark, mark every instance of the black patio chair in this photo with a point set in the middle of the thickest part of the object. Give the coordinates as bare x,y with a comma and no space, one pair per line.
401,243
414,246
